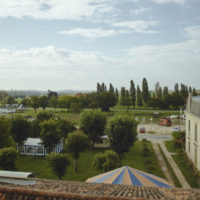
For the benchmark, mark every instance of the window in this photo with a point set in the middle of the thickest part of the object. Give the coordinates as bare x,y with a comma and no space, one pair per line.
188,125
40,150
195,156
189,146
195,132
30,150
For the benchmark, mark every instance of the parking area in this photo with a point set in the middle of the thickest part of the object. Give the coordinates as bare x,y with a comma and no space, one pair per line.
154,128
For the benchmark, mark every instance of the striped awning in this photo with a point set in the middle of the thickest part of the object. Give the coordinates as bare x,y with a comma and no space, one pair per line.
130,176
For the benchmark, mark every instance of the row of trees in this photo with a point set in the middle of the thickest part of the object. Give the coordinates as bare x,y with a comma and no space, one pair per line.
105,98
160,97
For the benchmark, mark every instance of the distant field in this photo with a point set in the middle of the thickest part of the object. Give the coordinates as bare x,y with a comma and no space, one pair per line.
63,113
133,158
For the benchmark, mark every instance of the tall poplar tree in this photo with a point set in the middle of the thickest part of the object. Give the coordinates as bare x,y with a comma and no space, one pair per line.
145,91
123,96
111,88
116,95
139,96
132,93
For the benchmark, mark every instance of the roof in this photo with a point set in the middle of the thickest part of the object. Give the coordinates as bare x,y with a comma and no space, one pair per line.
13,174
194,105
81,190
130,176
33,141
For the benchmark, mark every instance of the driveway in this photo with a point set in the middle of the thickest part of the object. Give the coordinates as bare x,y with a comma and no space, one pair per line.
155,128
154,137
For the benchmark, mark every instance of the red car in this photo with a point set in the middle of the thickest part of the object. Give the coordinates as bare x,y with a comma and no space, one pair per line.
165,122
142,130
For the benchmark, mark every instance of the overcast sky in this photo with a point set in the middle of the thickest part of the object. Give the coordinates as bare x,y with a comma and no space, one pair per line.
73,44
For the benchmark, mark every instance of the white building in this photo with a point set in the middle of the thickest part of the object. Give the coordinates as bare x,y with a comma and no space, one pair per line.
33,147
193,130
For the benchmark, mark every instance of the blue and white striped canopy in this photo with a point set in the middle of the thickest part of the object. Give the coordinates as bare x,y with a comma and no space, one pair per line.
130,176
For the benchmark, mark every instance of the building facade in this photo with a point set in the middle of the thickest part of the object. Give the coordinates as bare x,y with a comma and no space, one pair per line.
193,130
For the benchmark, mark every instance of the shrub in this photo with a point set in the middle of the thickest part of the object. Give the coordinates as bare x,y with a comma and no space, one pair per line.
106,161
59,163
8,158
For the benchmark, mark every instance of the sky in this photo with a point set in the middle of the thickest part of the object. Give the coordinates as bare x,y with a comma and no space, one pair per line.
73,44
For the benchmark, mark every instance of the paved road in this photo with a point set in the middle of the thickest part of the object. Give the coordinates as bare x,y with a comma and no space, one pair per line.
154,137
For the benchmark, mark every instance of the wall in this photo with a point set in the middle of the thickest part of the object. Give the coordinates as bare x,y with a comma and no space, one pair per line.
190,137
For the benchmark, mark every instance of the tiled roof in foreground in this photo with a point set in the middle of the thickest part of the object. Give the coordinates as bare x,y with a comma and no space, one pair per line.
64,190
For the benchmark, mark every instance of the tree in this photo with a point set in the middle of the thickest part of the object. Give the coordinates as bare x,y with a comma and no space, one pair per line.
184,91
44,115
35,128
53,101
11,100
132,93
165,92
92,123
59,163
20,129
139,96
194,92
76,143
8,158
50,134
99,91
127,99
52,94
158,91
116,95
43,101
4,132
65,101
106,100
145,91
123,96
122,132
35,102
176,90
26,102
111,89
66,126
106,161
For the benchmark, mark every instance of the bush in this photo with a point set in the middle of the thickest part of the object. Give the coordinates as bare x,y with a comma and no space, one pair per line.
8,158
145,151
106,161
148,162
59,163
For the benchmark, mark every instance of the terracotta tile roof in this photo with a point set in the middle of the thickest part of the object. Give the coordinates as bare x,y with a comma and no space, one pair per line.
52,189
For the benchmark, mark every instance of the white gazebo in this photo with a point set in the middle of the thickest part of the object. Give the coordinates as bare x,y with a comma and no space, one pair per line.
34,147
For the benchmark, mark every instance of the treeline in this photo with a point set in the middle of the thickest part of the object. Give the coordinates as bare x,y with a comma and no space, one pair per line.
106,97
159,98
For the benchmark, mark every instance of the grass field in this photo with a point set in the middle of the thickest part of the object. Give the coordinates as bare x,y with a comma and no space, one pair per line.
186,169
63,112
133,158
170,147
176,181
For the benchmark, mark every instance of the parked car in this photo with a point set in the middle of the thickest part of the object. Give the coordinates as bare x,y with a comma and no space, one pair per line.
165,122
176,129
142,130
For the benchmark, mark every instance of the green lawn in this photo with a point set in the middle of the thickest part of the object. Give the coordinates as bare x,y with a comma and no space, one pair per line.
133,158
170,147
176,181
186,169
